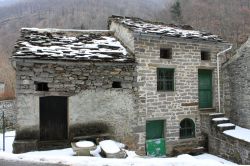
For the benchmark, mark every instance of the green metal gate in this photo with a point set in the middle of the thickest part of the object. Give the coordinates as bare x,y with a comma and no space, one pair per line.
155,142
205,88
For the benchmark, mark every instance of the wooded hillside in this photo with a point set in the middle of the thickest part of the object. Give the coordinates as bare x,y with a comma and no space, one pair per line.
228,18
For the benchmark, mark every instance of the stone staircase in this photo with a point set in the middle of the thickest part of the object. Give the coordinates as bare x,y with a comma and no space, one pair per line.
220,122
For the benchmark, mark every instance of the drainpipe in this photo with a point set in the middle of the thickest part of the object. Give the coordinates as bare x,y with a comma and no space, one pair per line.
218,72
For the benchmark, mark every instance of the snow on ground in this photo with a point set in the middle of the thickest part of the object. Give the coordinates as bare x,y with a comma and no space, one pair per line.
240,133
206,156
9,138
66,156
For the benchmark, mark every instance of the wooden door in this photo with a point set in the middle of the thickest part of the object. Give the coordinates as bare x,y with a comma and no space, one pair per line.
205,89
53,118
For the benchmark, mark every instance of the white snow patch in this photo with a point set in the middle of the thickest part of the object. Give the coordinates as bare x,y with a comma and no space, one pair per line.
9,139
220,119
85,144
226,124
67,156
206,156
109,146
240,133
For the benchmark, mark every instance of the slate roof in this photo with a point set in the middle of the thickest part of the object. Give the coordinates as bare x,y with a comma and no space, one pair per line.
81,45
162,29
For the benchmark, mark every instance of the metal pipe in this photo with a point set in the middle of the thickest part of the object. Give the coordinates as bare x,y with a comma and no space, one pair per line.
3,131
218,73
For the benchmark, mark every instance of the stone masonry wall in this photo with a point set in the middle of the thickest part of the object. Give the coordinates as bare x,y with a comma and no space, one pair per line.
236,83
183,101
90,94
230,148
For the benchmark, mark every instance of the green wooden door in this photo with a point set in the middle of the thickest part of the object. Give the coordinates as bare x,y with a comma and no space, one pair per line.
205,89
155,142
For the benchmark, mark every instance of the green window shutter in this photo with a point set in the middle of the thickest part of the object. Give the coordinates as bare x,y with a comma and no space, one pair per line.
165,79
155,129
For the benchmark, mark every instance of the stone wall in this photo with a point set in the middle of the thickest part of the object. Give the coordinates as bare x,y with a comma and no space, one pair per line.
230,148
236,83
91,97
9,109
183,101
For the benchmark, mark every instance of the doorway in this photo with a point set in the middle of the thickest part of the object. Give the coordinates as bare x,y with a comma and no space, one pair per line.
53,118
205,88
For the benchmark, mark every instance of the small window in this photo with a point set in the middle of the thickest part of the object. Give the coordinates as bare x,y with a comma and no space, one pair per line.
205,55
116,84
41,86
166,53
165,79
187,128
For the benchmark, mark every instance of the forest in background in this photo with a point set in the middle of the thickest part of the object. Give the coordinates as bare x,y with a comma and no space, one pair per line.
227,18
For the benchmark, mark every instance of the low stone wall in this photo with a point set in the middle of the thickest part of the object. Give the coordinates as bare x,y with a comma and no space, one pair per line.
229,148
9,109
223,145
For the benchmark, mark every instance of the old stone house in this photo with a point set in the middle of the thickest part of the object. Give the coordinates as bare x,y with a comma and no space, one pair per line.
137,82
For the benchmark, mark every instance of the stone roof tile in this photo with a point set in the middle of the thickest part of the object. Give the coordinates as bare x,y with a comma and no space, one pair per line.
93,45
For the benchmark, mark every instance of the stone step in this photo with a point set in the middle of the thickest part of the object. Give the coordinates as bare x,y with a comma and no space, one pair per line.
216,115
220,120
55,144
226,126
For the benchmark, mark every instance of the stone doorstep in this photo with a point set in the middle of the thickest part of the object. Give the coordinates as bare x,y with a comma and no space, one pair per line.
216,122
49,145
230,126
21,146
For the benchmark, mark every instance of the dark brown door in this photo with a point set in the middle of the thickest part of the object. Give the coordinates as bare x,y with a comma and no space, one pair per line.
53,118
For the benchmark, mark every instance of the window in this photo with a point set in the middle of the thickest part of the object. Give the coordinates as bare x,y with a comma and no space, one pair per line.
187,128
205,55
41,86
166,53
116,84
165,79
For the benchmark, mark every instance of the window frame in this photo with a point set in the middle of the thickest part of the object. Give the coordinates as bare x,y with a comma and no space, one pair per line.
41,86
206,54
165,81
186,129
166,53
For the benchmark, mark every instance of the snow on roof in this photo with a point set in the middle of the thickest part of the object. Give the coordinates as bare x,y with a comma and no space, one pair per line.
68,44
181,31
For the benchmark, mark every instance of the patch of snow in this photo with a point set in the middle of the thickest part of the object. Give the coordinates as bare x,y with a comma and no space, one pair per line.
63,30
120,145
67,157
206,156
220,119
109,146
240,133
96,152
9,139
84,144
226,124
216,113
146,27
